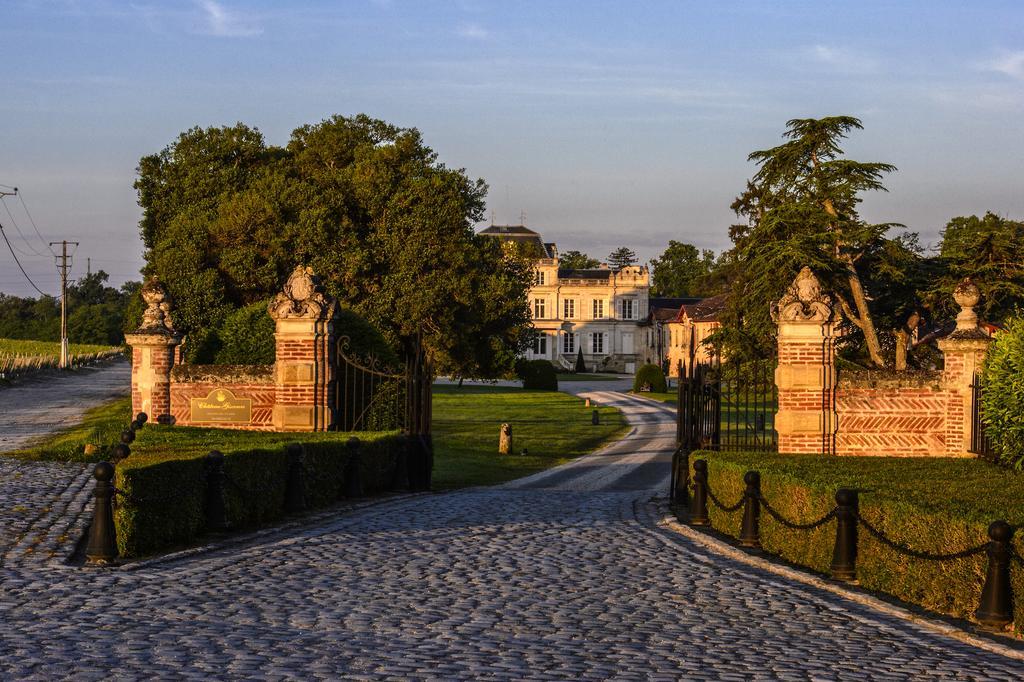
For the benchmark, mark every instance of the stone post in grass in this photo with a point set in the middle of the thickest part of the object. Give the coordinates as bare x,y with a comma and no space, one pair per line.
153,353
964,352
805,376
304,371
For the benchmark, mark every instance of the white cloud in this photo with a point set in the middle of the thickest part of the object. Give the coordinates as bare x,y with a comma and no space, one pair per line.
225,23
1009,64
474,32
841,59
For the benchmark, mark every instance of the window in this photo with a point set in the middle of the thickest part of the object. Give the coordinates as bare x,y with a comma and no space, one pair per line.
629,309
598,309
568,342
538,308
538,278
540,343
597,342
569,308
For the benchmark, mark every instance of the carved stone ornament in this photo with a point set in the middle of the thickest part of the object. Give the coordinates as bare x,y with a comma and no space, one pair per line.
804,301
157,316
967,296
301,297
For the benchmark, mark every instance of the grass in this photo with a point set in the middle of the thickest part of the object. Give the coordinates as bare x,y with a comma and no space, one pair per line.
666,397
553,427
48,348
18,356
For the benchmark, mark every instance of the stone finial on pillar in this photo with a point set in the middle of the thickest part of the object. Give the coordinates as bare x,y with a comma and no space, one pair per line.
964,352
304,368
805,375
153,345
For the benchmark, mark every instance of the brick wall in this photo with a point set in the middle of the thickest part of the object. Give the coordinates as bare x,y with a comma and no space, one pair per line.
261,394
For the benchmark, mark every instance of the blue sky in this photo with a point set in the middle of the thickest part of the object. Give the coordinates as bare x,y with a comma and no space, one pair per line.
607,123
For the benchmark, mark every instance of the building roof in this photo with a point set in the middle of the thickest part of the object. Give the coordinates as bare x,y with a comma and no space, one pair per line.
705,310
600,273
521,235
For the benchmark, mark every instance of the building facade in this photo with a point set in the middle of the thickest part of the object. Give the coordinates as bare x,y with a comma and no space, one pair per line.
599,311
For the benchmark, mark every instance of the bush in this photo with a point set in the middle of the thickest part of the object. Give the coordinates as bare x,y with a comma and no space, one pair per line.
537,375
247,337
166,475
1002,401
650,377
939,505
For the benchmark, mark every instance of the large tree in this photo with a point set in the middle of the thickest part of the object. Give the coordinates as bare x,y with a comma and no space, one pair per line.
621,257
682,270
801,209
577,260
387,227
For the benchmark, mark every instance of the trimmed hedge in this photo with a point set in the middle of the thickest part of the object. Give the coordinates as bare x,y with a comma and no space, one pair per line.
652,376
934,504
1002,401
166,477
538,375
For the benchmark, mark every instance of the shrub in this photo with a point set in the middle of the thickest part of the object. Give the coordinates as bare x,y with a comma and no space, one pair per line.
537,374
166,478
650,377
1002,401
580,367
247,337
940,505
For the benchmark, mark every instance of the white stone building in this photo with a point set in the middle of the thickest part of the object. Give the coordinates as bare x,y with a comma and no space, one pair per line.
598,310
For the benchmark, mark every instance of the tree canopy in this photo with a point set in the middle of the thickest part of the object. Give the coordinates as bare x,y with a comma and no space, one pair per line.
621,257
682,270
387,227
577,260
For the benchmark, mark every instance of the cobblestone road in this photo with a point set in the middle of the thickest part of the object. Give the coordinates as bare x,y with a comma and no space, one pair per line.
42,503
563,575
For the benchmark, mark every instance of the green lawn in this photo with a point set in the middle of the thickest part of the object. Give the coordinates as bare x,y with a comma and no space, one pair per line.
586,377
666,397
553,427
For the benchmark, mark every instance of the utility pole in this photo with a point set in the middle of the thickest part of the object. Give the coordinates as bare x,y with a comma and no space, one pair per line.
64,267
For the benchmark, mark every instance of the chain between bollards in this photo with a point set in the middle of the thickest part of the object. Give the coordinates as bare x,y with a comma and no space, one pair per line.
102,547
295,487
216,509
354,468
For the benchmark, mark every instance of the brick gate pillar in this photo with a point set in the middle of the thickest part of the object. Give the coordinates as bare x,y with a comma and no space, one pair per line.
304,369
805,376
964,351
153,352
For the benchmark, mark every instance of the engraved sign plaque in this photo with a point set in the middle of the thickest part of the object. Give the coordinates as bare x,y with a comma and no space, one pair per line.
222,407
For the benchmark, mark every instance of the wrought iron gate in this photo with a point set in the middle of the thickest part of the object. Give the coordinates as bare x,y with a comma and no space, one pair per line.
979,440
727,406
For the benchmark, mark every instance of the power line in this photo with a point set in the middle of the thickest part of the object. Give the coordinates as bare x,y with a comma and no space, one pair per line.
24,207
11,248
3,197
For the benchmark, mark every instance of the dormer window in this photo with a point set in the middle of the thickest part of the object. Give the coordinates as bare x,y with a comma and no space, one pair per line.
538,278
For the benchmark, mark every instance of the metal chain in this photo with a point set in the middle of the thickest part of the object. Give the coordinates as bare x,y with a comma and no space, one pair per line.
796,526
718,503
917,554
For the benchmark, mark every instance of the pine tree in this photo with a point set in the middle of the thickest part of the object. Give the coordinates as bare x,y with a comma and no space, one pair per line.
621,257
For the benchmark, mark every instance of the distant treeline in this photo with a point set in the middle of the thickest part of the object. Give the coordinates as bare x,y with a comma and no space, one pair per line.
97,313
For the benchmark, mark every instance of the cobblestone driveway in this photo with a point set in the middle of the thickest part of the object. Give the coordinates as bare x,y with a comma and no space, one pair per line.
559,576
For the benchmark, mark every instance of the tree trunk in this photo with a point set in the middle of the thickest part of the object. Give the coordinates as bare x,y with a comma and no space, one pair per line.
866,324
902,338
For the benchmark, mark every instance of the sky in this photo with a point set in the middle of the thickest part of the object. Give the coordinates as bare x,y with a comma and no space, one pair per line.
602,124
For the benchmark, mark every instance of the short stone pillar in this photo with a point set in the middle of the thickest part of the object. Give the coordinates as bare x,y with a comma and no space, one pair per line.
304,369
505,440
964,351
806,372
153,353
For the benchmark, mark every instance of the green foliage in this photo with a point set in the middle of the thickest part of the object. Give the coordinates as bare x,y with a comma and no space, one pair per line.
801,209
682,271
166,474
96,313
651,378
387,227
580,366
537,375
1002,401
577,260
247,337
621,257
934,504
989,250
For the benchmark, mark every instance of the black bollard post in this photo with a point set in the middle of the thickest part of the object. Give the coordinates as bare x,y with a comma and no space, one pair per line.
595,418
216,509
121,451
128,436
699,501
400,478
353,469
996,609
672,479
844,555
140,419
750,529
681,479
295,488
102,547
